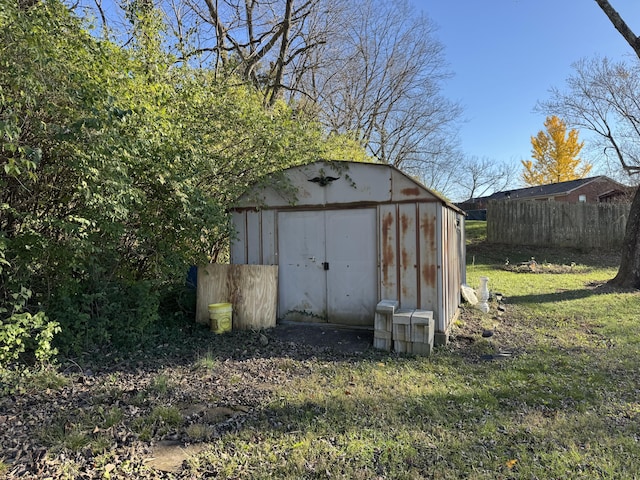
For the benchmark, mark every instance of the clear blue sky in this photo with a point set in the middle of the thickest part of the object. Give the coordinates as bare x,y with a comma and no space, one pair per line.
506,54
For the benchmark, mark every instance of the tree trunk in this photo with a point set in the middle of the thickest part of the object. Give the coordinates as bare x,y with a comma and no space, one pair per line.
629,272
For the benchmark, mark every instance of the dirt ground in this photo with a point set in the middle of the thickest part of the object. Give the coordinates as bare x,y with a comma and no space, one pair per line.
338,337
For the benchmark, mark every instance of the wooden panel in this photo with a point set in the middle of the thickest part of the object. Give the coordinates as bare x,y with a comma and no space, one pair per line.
407,256
254,295
212,288
251,289
239,246
388,247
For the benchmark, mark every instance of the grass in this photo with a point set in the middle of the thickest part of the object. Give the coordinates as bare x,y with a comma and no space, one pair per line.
564,404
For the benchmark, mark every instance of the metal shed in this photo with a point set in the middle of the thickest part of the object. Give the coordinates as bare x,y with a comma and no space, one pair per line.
347,235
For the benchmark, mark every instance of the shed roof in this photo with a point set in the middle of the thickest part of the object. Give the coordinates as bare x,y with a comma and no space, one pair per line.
325,183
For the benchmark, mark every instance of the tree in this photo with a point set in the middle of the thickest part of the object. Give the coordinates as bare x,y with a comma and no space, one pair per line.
555,155
603,97
370,70
117,169
378,77
481,176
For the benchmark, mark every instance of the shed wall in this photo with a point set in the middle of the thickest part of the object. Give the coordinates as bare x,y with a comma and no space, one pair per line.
419,236
420,257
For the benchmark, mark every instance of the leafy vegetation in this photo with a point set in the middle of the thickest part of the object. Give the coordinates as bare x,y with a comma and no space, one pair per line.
117,169
555,155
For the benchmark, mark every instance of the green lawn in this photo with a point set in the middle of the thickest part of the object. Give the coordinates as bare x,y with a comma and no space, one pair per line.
564,404
563,400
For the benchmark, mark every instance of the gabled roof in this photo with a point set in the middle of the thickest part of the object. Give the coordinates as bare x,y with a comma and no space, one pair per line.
325,183
552,189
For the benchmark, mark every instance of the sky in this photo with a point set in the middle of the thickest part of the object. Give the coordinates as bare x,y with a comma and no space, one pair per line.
507,54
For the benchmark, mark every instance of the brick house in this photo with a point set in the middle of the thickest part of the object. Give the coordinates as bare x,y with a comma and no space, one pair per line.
590,190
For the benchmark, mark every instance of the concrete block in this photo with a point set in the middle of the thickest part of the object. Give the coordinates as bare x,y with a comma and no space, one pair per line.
384,314
402,346
382,340
402,325
386,307
422,332
422,327
421,348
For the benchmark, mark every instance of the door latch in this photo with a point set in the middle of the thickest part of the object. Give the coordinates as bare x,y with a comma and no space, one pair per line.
325,265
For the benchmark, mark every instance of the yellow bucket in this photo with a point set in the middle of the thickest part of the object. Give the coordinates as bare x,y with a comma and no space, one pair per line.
220,316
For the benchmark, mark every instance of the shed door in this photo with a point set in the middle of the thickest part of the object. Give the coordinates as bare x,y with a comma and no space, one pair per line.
327,265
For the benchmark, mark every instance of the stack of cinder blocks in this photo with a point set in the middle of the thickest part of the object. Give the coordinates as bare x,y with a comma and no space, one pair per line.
408,331
422,332
384,324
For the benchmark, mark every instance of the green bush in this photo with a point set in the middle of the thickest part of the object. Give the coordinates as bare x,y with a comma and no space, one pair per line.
107,312
25,337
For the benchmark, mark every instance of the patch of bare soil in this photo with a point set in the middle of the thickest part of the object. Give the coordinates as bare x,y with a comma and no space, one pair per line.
485,337
141,415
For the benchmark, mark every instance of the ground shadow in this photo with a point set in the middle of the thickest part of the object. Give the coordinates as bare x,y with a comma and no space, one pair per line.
564,295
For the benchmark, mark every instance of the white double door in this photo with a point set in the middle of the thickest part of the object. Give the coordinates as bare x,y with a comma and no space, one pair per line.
328,265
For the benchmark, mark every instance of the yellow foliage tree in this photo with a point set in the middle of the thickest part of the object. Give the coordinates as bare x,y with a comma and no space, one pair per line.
555,155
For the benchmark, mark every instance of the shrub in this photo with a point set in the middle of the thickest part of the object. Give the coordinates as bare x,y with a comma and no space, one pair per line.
25,337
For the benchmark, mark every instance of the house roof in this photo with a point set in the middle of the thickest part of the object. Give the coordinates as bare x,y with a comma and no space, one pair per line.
552,189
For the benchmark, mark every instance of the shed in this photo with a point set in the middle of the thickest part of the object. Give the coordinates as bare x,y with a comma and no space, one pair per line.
346,235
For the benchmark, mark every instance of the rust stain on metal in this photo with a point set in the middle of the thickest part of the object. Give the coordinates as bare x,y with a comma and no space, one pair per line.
428,226
429,275
387,247
404,222
405,259
410,192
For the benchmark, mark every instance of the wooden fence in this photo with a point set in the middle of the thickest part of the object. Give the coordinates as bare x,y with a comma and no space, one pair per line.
581,225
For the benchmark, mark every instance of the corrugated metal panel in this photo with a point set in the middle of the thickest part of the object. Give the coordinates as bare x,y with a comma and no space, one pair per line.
452,238
428,257
410,264
269,256
352,280
388,248
254,238
418,253
407,256
327,265
301,246
238,246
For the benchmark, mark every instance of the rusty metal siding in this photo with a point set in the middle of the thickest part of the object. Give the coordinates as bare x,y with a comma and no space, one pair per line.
418,255
452,273
428,244
389,287
407,249
409,260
